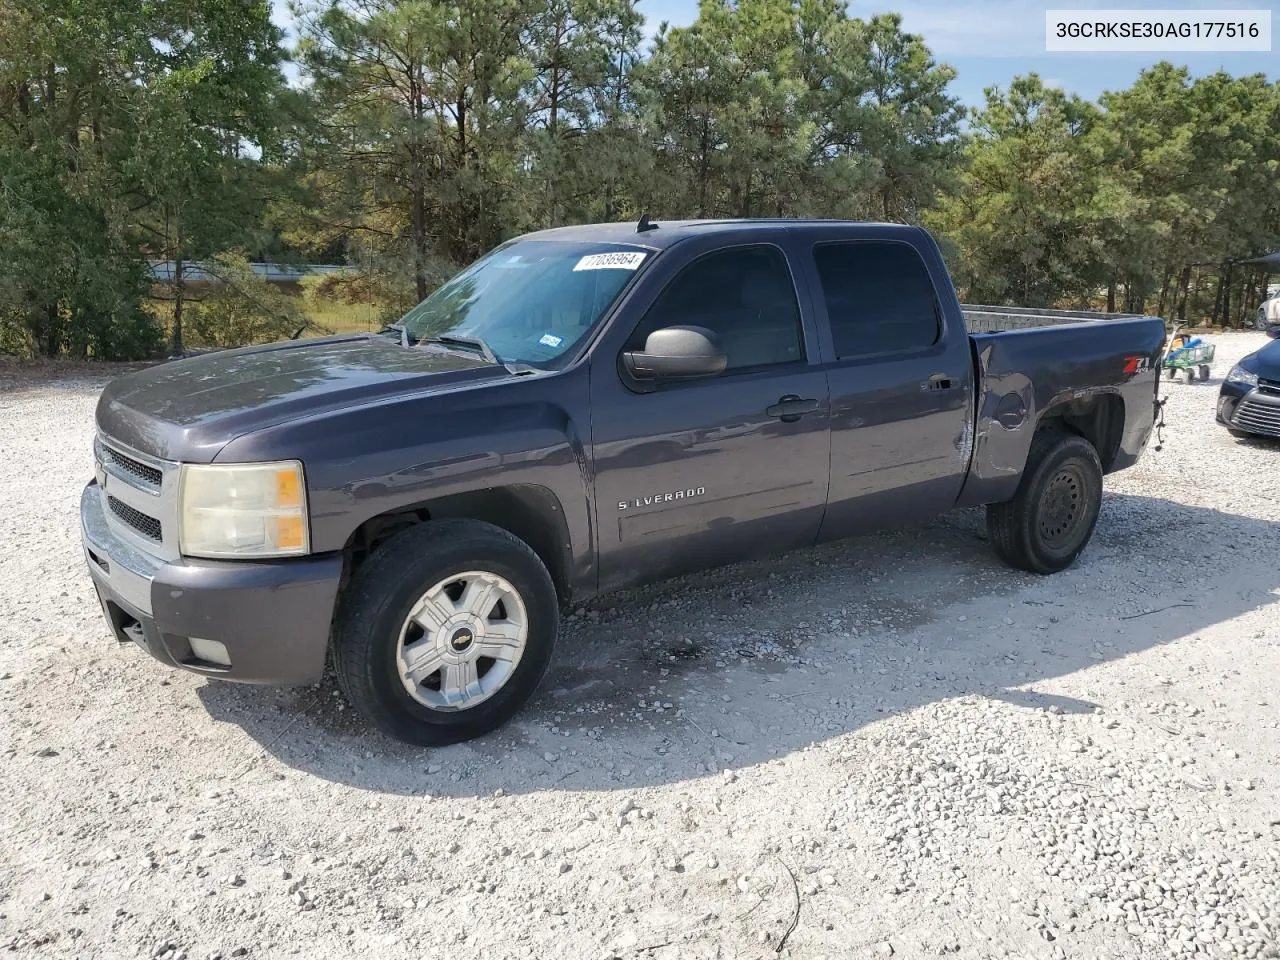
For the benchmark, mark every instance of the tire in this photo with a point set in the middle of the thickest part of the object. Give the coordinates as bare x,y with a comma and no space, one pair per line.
1050,520
376,642
1204,371
1191,374
1171,372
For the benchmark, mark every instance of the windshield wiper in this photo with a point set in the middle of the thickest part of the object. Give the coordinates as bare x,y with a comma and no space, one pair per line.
474,343
470,344
402,332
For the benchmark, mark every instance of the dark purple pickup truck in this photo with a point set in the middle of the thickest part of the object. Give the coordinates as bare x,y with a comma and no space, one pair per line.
581,410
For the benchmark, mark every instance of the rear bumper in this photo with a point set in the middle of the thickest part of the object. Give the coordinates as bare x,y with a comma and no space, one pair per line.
1243,407
272,618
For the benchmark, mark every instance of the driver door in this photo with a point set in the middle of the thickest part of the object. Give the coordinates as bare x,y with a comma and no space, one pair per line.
708,471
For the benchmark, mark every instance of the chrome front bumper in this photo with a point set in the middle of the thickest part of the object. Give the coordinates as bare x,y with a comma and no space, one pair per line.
115,563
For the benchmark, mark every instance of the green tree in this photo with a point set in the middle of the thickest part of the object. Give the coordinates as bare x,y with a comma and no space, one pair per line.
417,112
1020,218
723,107
785,107
120,116
882,108
580,52
1191,178
201,122
70,280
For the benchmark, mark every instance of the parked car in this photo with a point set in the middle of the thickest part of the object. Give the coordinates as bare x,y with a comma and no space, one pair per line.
581,410
1268,317
1249,400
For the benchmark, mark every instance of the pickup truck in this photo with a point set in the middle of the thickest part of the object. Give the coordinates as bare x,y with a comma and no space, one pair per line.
585,409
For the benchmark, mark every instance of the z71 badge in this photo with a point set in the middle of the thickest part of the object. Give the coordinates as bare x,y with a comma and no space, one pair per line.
661,498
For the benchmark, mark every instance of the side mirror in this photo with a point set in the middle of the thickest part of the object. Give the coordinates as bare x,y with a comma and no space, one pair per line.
676,353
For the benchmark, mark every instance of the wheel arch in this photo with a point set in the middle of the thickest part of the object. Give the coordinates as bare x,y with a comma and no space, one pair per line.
1097,417
531,512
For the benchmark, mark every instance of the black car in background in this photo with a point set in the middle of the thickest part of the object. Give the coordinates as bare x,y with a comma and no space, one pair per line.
1249,402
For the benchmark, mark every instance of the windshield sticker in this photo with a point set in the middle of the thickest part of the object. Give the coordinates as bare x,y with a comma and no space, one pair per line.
550,340
610,261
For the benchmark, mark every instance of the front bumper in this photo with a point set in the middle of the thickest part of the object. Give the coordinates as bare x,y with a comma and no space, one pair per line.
1248,408
273,618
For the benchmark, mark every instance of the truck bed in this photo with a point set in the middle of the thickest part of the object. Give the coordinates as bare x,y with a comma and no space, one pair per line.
1033,361
980,318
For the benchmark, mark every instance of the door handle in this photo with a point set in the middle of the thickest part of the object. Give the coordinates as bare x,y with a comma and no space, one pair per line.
939,381
791,408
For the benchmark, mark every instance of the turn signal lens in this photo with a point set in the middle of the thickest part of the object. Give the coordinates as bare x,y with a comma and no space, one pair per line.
288,488
290,533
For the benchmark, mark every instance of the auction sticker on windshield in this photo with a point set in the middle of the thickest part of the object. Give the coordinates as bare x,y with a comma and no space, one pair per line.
622,260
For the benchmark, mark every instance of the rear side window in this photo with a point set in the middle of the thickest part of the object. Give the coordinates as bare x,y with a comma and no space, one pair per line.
745,295
879,297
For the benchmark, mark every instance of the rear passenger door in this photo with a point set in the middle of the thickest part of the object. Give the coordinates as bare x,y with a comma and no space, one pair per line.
703,472
900,380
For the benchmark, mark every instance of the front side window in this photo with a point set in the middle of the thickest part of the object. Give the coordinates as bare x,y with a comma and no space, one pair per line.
744,295
879,297
530,301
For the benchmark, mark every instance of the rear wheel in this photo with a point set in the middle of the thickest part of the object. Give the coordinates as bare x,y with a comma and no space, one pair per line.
1204,371
1051,518
445,632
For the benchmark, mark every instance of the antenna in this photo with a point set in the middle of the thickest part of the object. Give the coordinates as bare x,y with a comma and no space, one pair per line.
645,224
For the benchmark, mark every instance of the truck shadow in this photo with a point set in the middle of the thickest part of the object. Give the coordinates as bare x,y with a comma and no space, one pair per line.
747,663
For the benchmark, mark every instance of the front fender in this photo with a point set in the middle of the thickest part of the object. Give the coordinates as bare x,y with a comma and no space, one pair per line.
374,460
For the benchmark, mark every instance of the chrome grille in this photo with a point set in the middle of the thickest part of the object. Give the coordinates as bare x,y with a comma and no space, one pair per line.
149,527
1269,386
135,468
139,497
1258,417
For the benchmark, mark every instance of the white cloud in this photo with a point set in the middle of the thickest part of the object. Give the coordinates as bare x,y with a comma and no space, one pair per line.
967,29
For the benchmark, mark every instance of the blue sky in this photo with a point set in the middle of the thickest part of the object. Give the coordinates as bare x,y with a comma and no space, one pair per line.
990,41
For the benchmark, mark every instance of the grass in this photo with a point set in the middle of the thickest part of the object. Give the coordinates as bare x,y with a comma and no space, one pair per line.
341,317
327,316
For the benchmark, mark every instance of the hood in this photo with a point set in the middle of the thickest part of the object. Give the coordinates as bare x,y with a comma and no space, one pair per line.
1265,362
190,409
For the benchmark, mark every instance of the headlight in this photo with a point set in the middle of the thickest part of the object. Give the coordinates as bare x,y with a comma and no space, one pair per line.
243,510
1239,374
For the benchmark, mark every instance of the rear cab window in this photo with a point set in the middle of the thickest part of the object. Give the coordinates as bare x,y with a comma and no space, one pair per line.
879,297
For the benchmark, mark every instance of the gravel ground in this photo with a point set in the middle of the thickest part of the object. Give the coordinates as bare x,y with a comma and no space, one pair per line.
889,746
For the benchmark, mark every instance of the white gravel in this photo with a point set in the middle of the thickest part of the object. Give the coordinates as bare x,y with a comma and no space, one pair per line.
946,757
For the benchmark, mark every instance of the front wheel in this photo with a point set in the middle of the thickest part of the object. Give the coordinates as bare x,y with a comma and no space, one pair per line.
1051,518
445,632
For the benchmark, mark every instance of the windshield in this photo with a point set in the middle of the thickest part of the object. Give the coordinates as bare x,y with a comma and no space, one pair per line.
530,301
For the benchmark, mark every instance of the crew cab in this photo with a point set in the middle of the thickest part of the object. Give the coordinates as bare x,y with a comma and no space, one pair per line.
585,409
